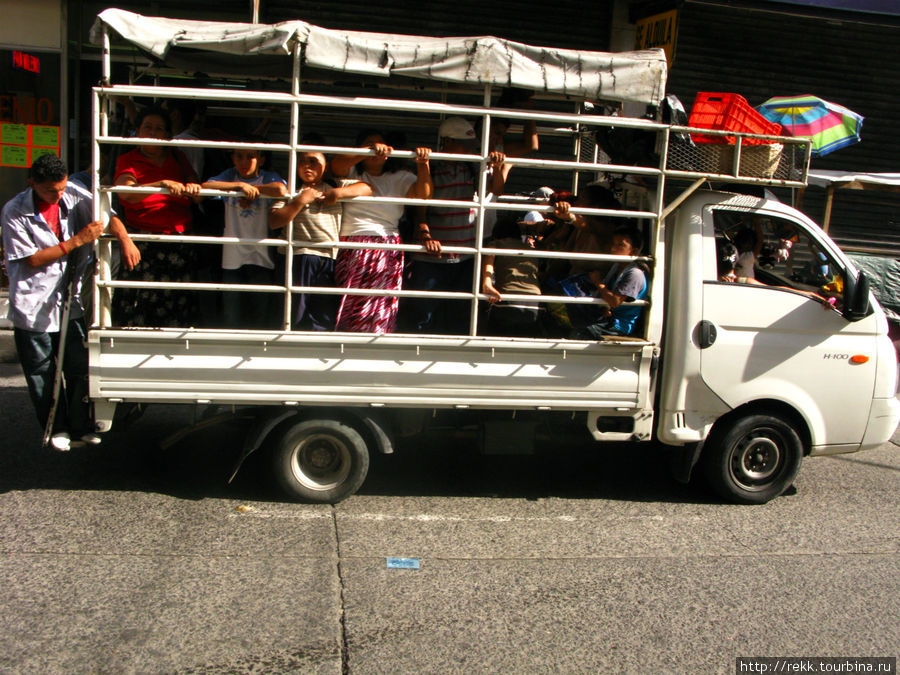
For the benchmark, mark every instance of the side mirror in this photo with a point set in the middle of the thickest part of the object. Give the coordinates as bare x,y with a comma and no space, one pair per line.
856,298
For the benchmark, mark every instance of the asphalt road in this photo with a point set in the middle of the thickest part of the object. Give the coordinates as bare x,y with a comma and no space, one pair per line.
126,558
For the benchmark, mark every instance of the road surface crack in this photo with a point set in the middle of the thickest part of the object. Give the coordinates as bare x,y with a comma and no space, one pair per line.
345,652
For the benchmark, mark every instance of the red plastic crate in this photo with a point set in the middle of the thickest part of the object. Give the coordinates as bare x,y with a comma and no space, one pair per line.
729,112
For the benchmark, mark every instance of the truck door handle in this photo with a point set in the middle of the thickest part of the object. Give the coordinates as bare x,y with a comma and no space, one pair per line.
706,333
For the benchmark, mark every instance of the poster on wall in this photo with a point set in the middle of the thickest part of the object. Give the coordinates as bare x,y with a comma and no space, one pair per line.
21,144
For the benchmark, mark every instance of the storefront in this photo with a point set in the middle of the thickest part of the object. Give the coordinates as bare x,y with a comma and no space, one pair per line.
31,96
32,100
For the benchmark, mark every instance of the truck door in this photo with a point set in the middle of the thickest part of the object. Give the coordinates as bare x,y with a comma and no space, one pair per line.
774,330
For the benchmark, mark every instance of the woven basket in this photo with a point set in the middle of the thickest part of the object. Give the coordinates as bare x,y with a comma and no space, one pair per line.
757,161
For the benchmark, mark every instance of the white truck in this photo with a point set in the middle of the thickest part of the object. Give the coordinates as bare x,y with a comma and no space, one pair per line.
741,379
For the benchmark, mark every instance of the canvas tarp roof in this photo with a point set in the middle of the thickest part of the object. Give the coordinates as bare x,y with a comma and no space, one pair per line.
638,76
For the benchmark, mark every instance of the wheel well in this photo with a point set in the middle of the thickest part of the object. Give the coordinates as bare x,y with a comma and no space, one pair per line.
776,408
374,428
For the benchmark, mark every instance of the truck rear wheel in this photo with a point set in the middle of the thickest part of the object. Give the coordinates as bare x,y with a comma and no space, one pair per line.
753,459
321,461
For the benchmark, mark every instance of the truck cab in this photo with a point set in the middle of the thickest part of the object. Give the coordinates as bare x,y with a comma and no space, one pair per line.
797,358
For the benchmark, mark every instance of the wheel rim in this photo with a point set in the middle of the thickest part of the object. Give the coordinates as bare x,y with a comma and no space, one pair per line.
320,462
758,458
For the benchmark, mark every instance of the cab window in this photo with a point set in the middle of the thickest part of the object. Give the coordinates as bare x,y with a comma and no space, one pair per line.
767,250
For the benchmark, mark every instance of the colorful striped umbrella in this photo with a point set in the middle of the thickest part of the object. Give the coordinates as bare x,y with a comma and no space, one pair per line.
829,125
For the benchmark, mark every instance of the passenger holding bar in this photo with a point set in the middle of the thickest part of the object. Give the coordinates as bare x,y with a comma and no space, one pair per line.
367,222
158,213
452,226
316,213
246,216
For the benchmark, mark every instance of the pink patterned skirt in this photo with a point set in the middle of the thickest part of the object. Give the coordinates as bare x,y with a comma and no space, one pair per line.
367,268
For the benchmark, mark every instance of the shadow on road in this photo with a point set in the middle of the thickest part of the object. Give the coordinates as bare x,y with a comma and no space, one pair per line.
622,471
198,466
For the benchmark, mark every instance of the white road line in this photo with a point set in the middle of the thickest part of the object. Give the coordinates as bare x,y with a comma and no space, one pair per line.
257,512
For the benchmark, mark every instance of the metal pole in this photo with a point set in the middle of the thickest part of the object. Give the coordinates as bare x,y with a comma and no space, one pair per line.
292,187
576,149
479,223
654,317
107,63
829,202
102,248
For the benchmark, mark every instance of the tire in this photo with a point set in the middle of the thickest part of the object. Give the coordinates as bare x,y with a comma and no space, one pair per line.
322,461
753,459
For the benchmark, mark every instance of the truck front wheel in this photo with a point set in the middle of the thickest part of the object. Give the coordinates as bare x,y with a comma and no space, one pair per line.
753,459
321,461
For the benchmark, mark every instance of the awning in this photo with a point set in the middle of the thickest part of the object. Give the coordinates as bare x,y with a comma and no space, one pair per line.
883,270
851,180
242,48
888,7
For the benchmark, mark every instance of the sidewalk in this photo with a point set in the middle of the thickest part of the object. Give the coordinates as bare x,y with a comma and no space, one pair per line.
7,346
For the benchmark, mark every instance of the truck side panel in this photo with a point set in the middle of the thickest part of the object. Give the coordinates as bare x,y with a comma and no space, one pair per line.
390,370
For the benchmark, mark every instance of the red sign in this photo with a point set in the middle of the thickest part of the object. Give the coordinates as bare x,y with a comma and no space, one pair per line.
24,61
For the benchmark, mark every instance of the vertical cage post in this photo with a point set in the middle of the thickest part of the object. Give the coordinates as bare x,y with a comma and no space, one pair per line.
656,246
482,199
101,310
292,187
106,58
576,149
100,209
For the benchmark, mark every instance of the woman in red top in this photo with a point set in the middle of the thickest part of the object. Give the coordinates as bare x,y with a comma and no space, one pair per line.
158,213
157,166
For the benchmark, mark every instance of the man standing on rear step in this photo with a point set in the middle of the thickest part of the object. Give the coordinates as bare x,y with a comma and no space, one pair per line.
45,231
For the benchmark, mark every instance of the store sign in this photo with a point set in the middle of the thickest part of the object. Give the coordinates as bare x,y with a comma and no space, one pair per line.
26,62
659,30
26,109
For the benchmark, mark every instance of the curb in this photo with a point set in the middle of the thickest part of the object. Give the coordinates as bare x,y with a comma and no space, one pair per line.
7,346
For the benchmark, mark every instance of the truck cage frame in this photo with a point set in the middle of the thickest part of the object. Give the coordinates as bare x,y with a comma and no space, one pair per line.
118,354
679,158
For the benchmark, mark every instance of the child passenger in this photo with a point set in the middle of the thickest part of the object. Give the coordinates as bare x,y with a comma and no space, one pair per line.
316,214
749,242
623,283
579,233
513,274
246,216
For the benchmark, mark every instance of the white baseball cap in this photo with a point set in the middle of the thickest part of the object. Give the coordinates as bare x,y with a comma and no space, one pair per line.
457,128
532,217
